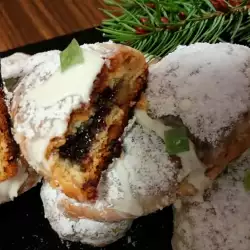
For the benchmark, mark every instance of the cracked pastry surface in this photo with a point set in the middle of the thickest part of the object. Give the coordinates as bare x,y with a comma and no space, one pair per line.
221,222
70,135
80,230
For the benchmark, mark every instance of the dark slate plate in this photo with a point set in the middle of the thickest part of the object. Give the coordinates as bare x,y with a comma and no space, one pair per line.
22,223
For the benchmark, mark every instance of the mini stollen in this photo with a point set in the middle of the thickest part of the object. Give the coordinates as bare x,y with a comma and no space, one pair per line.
80,230
68,123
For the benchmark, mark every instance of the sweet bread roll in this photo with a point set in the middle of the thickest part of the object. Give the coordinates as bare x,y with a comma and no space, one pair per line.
68,123
15,176
143,180
222,220
204,88
83,230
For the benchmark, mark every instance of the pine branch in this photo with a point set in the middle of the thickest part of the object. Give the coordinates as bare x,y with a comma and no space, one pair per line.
159,26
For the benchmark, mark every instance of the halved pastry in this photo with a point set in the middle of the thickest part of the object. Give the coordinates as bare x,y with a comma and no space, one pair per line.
205,90
81,230
222,220
15,175
143,180
70,112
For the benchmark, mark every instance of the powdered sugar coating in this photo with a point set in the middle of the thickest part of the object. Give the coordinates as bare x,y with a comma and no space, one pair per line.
19,64
206,85
13,65
143,174
83,230
222,222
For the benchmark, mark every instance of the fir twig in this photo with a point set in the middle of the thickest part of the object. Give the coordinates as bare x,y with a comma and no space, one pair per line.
157,27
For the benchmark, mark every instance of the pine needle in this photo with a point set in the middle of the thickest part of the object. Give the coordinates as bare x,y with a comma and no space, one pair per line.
157,27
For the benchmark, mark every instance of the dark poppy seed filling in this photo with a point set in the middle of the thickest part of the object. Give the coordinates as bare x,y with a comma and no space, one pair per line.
78,145
115,147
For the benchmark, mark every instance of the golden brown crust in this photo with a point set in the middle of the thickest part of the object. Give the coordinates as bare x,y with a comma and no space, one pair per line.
8,148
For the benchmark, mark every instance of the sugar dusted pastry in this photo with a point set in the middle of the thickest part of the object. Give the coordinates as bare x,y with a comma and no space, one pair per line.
68,118
141,181
221,222
15,175
81,230
205,88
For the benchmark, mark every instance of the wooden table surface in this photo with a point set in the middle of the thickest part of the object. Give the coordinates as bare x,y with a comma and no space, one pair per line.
28,21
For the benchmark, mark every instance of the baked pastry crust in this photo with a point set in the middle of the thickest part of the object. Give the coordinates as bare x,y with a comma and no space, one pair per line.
15,175
8,150
73,163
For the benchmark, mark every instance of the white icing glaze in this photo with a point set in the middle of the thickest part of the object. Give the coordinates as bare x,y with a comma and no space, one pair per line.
221,222
39,123
9,188
83,230
151,124
76,81
192,167
206,85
